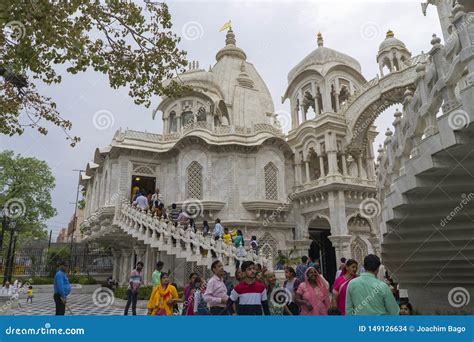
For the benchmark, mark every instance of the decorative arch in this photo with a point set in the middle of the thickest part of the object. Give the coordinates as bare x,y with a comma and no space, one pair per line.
269,246
143,169
271,181
359,250
194,181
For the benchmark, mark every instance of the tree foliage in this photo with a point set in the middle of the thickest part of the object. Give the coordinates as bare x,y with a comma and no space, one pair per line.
25,193
133,45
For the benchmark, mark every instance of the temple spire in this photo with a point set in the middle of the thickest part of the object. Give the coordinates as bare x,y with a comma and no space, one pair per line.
230,37
320,40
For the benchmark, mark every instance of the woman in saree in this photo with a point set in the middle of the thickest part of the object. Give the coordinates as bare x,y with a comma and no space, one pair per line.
349,272
275,293
163,298
188,296
313,294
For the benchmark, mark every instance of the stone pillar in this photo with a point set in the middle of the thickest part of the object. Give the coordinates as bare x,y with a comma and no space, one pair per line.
306,164
165,125
359,166
178,123
337,212
117,264
146,268
294,117
321,166
370,162
337,101
341,246
297,166
126,265
331,143
344,164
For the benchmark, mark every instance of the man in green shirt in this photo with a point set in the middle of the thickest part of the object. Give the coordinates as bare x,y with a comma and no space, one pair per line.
156,275
368,296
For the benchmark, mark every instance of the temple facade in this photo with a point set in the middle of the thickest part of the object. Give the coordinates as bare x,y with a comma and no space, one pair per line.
314,190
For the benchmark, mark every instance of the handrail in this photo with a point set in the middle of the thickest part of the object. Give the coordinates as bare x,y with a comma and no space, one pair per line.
160,233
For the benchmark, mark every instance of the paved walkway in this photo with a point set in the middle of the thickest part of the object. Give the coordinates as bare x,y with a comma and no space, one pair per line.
80,304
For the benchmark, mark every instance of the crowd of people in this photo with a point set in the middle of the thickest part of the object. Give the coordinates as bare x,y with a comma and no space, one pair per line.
256,291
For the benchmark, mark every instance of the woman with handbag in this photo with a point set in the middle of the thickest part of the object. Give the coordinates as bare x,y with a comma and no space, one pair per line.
349,272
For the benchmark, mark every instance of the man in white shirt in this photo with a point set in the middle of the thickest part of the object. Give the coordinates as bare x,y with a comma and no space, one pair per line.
156,198
7,289
141,202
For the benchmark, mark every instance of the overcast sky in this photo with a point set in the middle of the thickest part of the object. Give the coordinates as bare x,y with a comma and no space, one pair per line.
275,35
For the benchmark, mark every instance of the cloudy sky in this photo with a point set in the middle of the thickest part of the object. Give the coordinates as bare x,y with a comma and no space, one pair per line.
276,35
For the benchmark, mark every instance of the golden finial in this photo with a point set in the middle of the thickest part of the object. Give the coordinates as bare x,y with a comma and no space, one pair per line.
320,39
390,34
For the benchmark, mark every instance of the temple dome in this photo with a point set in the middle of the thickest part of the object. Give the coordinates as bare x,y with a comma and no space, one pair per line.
321,57
391,42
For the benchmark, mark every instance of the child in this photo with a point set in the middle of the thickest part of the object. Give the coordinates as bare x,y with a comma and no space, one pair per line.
254,244
29,295
200,306
227,237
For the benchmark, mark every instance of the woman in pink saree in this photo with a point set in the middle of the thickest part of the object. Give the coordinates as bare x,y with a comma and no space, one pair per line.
339,288
313,294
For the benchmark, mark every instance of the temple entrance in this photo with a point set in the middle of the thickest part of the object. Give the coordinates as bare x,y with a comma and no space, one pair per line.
321,248
143,183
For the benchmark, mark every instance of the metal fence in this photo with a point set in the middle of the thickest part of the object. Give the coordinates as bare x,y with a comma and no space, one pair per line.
35,260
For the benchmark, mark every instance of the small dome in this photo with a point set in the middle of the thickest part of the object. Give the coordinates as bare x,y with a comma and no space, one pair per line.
390,42
323,55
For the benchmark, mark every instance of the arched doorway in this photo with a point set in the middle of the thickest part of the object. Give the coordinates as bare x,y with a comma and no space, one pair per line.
321,248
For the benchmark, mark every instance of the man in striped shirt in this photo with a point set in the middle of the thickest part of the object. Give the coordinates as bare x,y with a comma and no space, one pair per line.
250,294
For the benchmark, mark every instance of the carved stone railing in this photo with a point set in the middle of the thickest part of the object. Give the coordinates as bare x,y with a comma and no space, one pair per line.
223,130
435,88
184,243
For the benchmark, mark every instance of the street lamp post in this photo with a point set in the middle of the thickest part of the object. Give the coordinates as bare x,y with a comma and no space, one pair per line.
5,221
7,275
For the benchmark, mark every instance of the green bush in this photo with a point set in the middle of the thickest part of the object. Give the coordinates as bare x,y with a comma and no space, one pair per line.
41,281
55,255
87,280
144,292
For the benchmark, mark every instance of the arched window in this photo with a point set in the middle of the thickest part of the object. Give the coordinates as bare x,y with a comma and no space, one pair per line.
173,124
271,181
194,181
359,250
201,114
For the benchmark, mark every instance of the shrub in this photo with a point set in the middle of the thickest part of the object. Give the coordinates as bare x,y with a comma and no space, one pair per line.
144,292
41,281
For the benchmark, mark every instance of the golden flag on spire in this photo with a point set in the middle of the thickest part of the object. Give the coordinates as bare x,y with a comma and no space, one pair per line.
226,26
